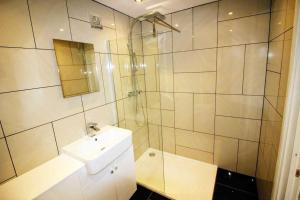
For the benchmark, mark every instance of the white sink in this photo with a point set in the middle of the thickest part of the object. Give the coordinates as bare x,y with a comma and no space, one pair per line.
98,151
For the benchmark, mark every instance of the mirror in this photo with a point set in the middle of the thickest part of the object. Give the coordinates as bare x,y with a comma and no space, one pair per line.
77,67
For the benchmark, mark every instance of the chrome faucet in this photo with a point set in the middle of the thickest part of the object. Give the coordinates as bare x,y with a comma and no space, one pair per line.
92,128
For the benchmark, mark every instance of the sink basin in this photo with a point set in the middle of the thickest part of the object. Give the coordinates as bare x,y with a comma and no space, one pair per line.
98,151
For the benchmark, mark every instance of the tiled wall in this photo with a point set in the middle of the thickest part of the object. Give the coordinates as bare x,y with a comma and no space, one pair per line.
205,85
36,121
281,29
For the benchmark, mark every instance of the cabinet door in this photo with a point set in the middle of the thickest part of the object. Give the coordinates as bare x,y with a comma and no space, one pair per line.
101,186
125,175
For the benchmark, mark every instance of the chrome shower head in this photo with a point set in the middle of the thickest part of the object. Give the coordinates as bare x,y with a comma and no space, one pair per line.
151,16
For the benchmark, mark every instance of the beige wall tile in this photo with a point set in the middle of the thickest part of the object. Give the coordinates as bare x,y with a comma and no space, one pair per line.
238,128
195,61
82,9
1,132
165,69
167,118
200,141
150,73
155,136
49,20
195,82
104,115
255,69
275,54
69,129
111,79
120,109
82,32
168,139
205,26
247,157
272,87
239,106
165,42
154,116
246,30
229,9
140,136
150,45
122,30
6,166
277,23
21,69
204,113
153,100
194,154
183,21
225,155
26,109
230,70
167,101
124,64
183,110
32,148
15,23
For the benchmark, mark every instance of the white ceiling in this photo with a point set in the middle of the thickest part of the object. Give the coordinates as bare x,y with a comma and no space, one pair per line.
134,9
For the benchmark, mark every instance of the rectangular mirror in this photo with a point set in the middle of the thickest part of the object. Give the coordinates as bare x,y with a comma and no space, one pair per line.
77,67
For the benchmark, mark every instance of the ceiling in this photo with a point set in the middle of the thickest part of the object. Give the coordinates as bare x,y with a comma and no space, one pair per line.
134,9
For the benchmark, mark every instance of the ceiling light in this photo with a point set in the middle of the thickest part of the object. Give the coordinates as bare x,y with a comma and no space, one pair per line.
176,25
230,30
61,29
139,1
230,13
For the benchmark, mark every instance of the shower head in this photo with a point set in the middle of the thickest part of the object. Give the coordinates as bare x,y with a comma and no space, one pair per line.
151,17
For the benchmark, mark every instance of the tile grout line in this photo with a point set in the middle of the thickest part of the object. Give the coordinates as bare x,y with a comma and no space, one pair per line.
244,66
52,125
69,21
8,149
28,7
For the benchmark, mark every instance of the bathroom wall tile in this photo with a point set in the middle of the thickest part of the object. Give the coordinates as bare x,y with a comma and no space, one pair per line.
239,106
15,23
104,115
246,30
167,100
195,82
229,9
126,85
140,136
168,139
139,150
32,148
275,54
82,32
230,70
125,67
277,23
164,41
122,30
69,129
205,26
6,166
225,154
290,12
272,87
82,9
167,118
120,109
155,137
238,128
184,110
247,157
200,141
194,154
153,100
1,132
204,113
255,69
95,99
111,87
49,20
154,116
195,61
150,45
183,21
17,62
165,69
26,109
150,73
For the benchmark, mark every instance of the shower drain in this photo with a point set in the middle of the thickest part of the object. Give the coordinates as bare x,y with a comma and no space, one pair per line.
152,154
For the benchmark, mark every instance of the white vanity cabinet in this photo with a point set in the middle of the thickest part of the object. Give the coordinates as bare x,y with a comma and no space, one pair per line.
115,182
